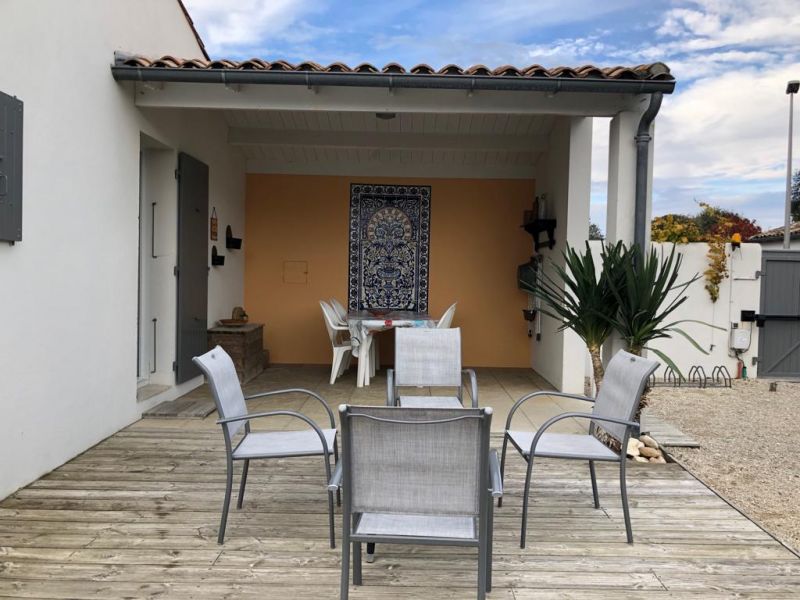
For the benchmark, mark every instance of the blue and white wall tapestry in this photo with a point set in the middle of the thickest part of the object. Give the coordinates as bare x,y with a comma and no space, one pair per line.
389,247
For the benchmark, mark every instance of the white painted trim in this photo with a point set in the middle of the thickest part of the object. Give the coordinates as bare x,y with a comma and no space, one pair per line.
251,136
293,97
398,169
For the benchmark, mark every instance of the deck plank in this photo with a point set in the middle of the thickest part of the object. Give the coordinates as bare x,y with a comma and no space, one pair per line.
136,516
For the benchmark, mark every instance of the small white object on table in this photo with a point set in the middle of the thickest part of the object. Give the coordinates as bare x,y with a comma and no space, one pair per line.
363,325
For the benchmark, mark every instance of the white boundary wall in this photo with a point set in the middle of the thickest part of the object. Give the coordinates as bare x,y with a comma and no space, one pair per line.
741,290
68,306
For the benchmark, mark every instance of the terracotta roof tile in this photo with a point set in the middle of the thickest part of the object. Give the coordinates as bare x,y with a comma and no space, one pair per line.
776,234
423,69
654,71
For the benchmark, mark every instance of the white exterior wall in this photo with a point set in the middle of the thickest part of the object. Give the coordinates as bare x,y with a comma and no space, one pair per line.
565,179
69,305
739,291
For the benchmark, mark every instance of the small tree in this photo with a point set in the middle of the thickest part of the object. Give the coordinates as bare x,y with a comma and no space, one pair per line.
796,196
595,233
647,291
581,299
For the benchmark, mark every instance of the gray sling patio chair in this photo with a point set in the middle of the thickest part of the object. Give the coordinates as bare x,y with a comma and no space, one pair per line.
234,419
614,409
416,476
428,358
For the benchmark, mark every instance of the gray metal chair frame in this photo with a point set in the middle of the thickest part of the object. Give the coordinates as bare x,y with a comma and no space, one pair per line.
488,479
227,422
403,376
622,428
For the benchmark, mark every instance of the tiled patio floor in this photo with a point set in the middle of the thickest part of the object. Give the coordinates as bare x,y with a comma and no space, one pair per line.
136,517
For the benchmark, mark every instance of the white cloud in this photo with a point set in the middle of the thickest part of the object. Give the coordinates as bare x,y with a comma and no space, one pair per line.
251,23
712,24
732,125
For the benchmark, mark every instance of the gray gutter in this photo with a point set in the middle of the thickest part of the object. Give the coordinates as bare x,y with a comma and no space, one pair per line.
391,80
643,139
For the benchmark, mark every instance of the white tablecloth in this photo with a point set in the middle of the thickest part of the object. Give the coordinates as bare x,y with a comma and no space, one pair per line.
364,324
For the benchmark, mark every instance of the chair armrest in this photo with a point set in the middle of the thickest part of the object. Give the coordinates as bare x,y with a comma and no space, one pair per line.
527,397
473,386
496,477
577,415
336,479
298,391
390,398
282,413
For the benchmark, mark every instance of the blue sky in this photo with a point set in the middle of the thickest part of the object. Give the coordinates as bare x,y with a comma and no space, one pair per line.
720,138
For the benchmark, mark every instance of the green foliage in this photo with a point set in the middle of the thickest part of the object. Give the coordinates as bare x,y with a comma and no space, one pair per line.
647,292
709,224
678,229
795,196
712,225
578,296
595,233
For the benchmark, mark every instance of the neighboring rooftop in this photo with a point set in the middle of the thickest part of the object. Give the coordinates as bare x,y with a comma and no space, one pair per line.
776,234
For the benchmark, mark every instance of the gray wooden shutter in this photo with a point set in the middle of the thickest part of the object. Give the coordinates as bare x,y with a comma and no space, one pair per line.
192,272
10,168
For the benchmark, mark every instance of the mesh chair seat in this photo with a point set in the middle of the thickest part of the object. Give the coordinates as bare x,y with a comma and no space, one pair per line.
265,444
563,445
428,526
430,402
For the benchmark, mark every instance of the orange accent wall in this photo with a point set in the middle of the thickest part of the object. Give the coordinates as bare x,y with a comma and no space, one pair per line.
476,245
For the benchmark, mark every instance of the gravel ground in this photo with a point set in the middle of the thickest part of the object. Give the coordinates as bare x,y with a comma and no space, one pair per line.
749,441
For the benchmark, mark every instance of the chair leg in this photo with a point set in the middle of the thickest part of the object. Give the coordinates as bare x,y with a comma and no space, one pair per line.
335,365
483,581
623,488
502,467
525,495
370,558
330,520
243,483
227,502
345,579
356,563
335,462
490,542
594,484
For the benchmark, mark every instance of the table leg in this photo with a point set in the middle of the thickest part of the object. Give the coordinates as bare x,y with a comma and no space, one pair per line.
363,361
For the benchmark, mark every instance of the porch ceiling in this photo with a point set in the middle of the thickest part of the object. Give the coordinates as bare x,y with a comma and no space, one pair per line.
411,144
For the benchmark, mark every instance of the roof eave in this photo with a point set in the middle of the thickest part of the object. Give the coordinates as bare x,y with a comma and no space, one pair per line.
393,80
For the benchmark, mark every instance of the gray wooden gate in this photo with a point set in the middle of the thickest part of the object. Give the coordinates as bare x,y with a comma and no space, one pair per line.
192,268
779,318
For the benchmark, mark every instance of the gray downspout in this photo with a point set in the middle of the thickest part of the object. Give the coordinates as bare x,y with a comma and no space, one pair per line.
643,139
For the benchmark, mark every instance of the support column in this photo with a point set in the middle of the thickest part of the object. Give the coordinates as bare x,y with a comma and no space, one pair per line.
621,206
577,232
566,183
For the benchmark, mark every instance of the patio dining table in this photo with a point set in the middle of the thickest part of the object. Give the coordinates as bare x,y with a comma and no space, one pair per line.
364,324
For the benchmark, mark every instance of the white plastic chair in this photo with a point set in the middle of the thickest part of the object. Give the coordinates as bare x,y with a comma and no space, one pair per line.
342,348
447,318
339,310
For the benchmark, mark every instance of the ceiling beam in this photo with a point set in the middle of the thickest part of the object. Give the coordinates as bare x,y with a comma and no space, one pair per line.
243,136
294,97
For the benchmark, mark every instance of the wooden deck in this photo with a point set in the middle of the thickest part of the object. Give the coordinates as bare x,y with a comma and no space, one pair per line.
137,515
